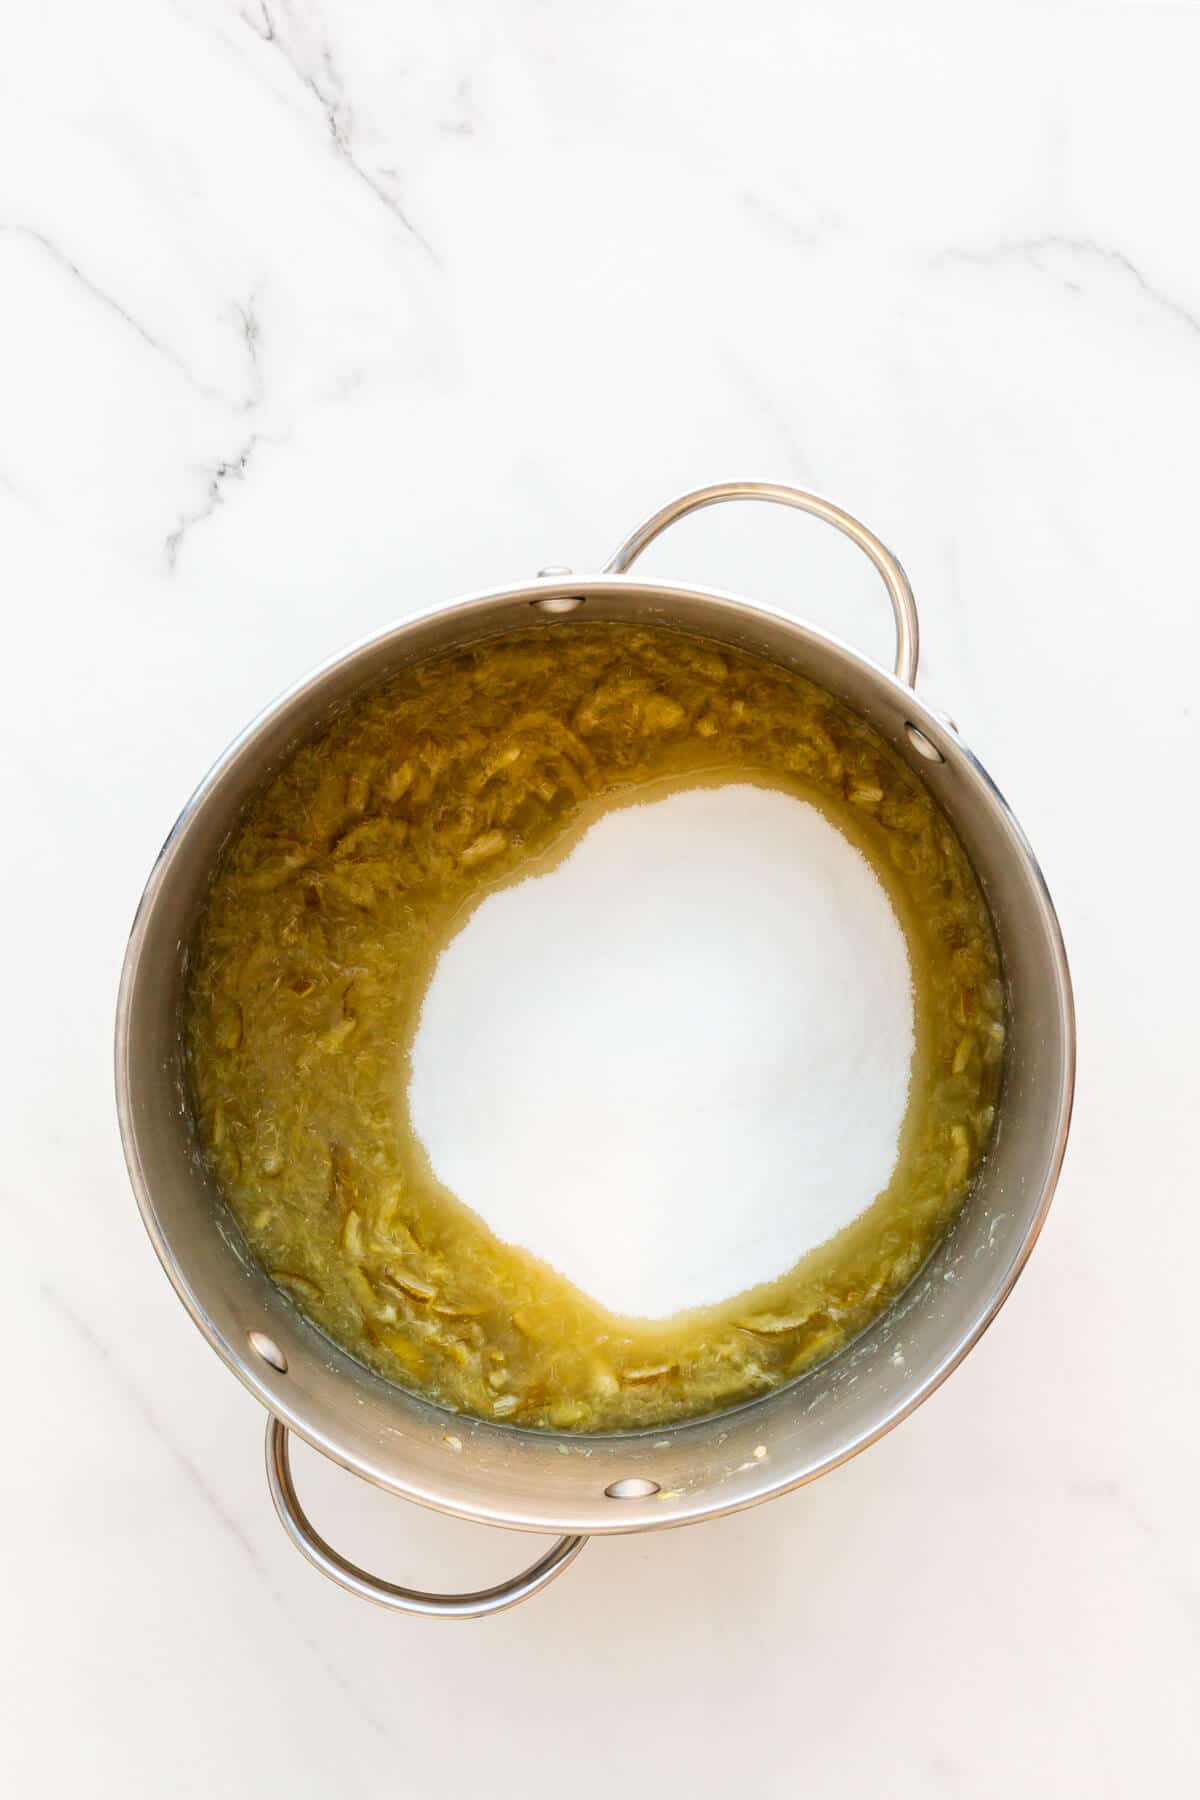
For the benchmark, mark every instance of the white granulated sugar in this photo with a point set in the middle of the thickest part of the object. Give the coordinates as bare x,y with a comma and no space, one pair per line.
680,1059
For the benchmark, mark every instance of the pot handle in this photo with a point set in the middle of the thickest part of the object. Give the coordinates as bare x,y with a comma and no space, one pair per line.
904,607
384,1593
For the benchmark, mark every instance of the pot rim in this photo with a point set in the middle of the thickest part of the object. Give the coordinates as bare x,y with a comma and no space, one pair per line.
636,1516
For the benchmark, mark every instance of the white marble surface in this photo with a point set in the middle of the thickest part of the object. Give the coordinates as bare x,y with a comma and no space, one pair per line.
315,311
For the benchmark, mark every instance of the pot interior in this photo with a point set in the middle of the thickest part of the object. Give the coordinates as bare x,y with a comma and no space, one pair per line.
502,1474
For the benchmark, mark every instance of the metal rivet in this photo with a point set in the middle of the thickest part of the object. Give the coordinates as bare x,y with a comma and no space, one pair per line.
558,603
922,745
268,1349
554,572
632,1487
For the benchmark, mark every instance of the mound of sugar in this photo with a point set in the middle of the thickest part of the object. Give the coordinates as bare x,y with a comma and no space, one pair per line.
680,1059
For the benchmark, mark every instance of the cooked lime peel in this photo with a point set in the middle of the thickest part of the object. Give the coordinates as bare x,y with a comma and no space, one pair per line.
357,863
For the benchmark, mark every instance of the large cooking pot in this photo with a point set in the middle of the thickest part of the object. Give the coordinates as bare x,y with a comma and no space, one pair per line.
498,1473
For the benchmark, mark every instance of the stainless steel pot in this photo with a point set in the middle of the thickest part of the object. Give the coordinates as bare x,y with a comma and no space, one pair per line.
496,1473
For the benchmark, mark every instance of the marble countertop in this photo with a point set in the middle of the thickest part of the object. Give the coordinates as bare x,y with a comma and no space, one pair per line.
316,313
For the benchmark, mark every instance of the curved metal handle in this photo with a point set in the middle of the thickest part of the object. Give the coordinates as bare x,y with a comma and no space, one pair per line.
904,607
384,1593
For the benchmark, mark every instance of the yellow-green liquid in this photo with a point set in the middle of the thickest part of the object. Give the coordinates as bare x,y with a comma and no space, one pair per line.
365,854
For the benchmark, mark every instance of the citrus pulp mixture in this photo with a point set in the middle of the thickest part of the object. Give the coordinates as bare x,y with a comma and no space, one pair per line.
365,855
